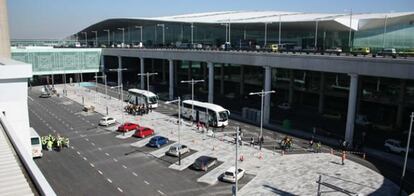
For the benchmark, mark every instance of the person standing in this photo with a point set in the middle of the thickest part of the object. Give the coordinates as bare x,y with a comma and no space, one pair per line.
343,157
251,141
318,147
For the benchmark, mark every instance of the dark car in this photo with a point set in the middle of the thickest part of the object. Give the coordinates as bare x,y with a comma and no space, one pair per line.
158,141
386,52
204,162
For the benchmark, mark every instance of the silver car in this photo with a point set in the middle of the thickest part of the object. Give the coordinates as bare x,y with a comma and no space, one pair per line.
176,149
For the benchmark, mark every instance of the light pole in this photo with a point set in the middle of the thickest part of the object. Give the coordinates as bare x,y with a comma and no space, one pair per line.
106,89
261,94
119,82
86,38
385,31
148,75
109,37
192,34
122,101
123,36
141,28
192,82
316,34
178,100
96,38
406,153
163,32
265,35
280,28
236,172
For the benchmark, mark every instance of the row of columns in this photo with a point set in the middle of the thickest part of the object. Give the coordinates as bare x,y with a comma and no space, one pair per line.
352,100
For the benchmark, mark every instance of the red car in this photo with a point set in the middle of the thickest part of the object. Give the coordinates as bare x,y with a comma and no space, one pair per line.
127,127
143,132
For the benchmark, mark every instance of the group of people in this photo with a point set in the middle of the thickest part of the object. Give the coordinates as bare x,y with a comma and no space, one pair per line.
138,109
51,142
317,147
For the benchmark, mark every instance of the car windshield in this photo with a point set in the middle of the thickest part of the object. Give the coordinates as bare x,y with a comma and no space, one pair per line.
228,173
152,100
223,116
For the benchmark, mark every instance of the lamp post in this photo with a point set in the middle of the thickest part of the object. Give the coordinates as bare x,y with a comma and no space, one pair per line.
163,32
119,83
106,89
123,36
316,34
192,82
148,75
192,34
96,38
86,38
236,172
265,35
122,101
141,28
385,31
406,153
261,94
109,37
178,100
280,28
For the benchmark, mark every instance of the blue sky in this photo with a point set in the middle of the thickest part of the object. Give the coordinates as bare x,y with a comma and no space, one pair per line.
59,18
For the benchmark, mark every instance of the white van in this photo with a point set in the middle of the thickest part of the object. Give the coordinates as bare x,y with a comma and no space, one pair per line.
36,142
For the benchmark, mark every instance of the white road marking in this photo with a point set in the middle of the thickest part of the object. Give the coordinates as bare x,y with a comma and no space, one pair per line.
146,182
161,192
99,171
84,158
99,149
115,160
135,174
120,190
78,152
106,154
71,147
109,180
71,128
93,144
124,166
92,165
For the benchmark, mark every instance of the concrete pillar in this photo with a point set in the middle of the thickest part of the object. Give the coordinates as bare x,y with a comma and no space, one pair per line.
241,79
210,82
164,72
267,87
119,72
321,93
103,64
4,31
222,79
142,70
291,84
352,101
171,78
400,109
190,71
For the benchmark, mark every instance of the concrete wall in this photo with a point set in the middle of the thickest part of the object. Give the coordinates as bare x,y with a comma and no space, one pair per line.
13,97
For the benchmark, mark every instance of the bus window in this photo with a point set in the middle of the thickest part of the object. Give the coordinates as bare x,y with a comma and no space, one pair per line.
152,100
223,116
35,141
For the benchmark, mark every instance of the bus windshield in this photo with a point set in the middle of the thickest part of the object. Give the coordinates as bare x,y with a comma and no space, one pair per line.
223,116
152,100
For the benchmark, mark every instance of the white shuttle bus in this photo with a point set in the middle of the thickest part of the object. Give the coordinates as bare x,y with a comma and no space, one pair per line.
36,142
217,115
138,96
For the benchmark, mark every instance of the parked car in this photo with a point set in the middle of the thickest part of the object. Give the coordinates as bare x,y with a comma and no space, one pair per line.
284,106
45,95
176,149
158,141
362,51
127,127
229,175
143,132
106,121
336,51
386,52
392,145
204,162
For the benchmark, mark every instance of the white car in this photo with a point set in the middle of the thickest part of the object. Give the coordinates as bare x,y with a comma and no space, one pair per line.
392,145
284,106
229,175
176,149
106,121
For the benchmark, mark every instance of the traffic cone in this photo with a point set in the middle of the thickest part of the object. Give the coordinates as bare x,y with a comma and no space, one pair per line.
241,158
260,156
213,148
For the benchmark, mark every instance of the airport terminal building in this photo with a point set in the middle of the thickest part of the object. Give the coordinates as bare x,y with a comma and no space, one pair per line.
344,97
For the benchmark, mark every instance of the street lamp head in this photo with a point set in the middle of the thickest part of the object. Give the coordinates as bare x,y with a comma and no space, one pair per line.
121,29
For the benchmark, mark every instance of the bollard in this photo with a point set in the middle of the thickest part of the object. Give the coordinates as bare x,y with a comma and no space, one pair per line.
213,148
241,157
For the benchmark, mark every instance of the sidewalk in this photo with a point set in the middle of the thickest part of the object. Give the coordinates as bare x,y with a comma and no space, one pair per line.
272,172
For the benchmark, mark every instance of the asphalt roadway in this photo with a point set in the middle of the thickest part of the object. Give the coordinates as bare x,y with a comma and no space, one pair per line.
97,163
381,165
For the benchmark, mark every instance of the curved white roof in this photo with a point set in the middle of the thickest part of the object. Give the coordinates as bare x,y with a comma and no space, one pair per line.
142,92
205,104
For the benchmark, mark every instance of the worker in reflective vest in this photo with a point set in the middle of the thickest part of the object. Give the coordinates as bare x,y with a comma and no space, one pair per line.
49,145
